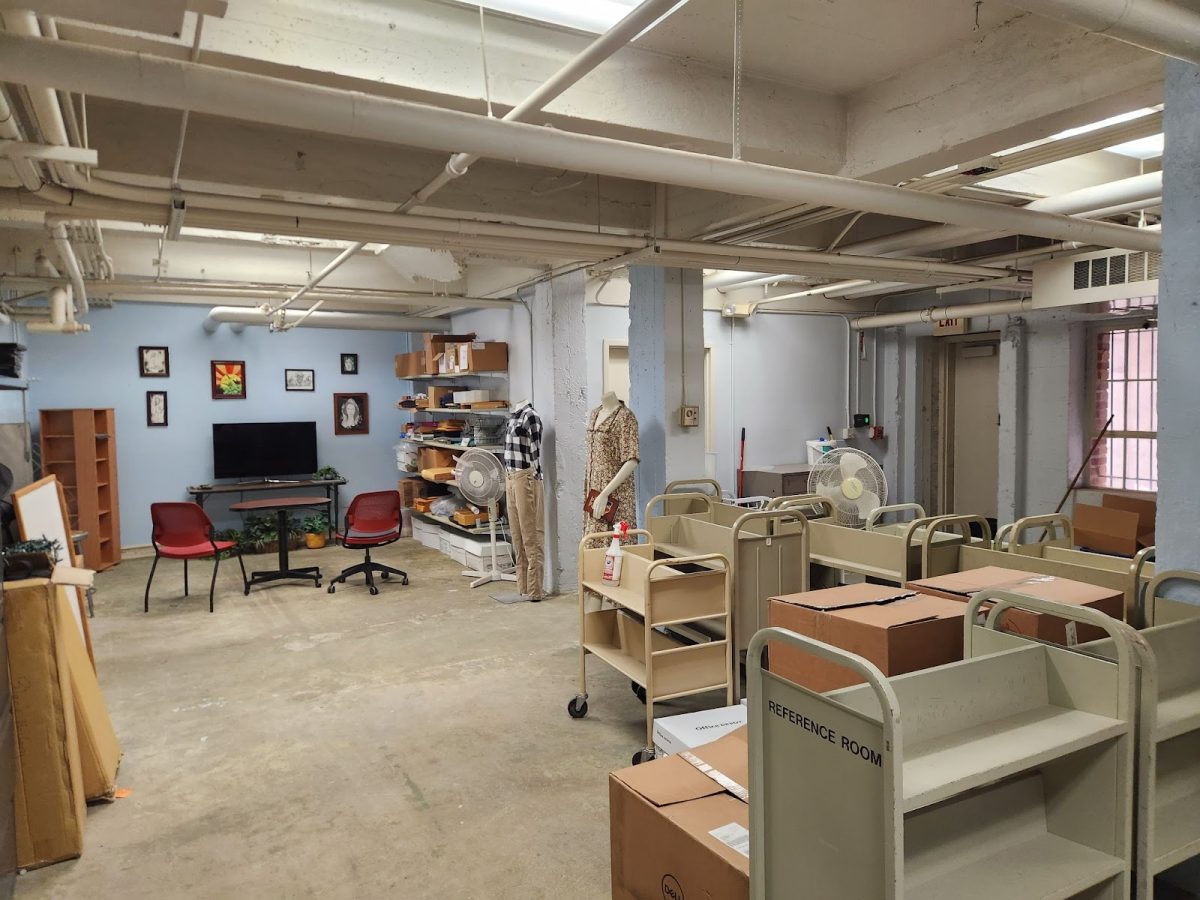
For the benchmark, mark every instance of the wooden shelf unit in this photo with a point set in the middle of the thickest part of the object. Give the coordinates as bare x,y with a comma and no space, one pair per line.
79,447
625,631
1009,774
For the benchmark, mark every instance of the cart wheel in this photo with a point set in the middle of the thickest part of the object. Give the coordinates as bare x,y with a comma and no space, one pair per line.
577,708
634,686
640,691
330,588
374,590
642,756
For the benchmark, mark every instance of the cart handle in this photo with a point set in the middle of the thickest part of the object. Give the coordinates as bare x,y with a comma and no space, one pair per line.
802,502
596,535
682,495
1144,556
893,770
710,482
788,500
1150,593
1054,523
880,511
935,523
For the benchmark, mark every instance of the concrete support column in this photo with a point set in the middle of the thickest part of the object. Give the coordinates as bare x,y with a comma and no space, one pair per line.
666,371
559,362
1010,481
1179,326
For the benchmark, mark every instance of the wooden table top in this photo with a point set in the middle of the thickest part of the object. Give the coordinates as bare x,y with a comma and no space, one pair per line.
279,503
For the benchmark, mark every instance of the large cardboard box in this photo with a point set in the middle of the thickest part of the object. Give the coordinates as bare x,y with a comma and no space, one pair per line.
675,832
439,395
50,791
689,730
898,629
962,586
435,458
409,365
410,489
435,346
1121,524
480,356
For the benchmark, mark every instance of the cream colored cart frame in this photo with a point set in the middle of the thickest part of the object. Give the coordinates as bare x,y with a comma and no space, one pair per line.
1005,775
626,630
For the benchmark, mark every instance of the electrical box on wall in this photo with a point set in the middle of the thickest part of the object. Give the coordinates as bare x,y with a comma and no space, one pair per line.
877,432
862,420
689,416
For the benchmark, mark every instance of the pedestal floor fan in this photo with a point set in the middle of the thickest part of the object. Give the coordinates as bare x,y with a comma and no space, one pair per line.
481,476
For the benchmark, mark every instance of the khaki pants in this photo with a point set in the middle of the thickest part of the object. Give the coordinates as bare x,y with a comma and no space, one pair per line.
526,521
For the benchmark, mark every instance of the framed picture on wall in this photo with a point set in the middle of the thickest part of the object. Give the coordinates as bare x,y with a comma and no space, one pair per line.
227,378
154,362
156,409
349,363
350,414
299,380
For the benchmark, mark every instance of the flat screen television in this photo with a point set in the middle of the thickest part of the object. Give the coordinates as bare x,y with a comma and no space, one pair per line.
264,449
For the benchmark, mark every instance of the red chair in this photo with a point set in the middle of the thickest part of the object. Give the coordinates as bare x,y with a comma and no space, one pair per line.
373,520
184,531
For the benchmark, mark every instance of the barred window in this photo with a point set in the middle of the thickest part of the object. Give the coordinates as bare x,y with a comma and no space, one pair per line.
1126,387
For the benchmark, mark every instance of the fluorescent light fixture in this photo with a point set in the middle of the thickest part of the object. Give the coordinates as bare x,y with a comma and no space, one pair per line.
1084,129
1150,147
594,16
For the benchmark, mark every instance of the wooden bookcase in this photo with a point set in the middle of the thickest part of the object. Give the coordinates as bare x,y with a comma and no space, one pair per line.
79,447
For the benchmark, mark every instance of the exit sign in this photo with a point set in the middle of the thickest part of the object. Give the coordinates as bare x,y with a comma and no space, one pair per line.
950,326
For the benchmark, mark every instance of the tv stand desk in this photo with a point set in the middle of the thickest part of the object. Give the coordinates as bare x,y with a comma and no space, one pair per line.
201,492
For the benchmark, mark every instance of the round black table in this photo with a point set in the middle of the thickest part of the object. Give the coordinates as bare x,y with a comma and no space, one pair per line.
282,506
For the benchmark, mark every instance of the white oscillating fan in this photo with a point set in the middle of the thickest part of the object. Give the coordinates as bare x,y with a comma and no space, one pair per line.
852,481
480,476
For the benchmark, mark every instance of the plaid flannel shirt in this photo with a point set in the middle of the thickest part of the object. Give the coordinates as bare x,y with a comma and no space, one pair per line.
523,440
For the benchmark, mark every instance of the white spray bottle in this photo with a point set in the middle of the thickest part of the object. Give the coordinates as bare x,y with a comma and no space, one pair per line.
613,558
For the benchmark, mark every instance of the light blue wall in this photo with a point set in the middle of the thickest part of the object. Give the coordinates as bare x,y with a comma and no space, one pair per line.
100,369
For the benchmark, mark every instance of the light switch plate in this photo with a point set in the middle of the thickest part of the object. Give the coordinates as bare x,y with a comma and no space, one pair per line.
689,416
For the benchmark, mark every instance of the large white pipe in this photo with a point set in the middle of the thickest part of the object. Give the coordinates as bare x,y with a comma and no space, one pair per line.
355,321
934,313
58,233
638,20
1159,25
27,172
174,84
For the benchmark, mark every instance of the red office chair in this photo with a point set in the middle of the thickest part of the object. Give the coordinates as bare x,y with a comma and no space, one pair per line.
184,531
373,520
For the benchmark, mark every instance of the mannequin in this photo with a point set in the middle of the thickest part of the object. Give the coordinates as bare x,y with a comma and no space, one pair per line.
612,459
524,498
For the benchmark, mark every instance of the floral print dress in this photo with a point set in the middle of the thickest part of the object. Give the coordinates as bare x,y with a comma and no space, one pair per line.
610,445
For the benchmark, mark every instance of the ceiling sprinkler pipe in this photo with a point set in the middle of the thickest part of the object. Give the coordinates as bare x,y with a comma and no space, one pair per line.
345,321
1159,25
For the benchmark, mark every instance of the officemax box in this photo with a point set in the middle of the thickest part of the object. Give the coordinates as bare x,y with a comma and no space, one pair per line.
962,586
676,833
898,629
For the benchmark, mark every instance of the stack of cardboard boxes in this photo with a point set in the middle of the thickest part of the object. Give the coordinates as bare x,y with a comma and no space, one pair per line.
451,354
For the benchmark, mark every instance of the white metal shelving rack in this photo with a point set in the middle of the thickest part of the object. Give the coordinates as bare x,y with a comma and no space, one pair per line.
1005,775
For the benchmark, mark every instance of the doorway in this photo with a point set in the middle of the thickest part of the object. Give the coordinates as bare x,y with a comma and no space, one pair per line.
616,379
972,452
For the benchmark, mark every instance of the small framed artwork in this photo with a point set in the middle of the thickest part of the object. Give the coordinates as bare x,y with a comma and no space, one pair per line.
156,409
227,378
299,380
154,362
349,363
350,414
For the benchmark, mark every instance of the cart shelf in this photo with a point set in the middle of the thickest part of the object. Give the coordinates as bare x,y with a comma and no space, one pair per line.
1178,712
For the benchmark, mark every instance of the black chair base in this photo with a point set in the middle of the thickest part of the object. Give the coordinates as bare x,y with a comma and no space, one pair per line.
368,569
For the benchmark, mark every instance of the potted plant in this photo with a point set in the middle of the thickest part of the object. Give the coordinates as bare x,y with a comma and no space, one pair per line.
295,535
231,534
326,473
34,558
315,529
261,534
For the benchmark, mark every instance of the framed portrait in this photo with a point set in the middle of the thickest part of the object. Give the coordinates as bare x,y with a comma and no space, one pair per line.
156,409
227,378
349,363
154,362
350,414
299,380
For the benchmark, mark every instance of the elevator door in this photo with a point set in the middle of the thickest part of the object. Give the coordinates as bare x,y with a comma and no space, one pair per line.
976,429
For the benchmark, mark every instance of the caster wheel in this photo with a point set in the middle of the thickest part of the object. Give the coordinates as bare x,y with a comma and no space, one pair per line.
634,686
577,708
640,691
374,591
245,592
642,756
405,581
330,589
386,575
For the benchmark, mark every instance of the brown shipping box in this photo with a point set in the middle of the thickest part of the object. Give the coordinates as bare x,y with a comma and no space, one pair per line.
435,344
409,365
661,814
963,586
481,356
1121,524
896,629
99,750
50,794
435,458
439,395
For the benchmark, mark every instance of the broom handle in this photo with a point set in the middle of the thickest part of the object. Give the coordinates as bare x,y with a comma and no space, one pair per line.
1087,459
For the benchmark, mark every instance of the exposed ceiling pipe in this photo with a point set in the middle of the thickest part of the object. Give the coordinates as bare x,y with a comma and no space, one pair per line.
354,321
1171,29
27,172
633,24
934,313
154,81
58,233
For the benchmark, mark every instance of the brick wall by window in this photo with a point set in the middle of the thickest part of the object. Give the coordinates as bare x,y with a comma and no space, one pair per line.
1126,387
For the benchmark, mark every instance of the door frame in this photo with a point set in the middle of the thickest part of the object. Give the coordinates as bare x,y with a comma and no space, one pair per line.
941,423
706,410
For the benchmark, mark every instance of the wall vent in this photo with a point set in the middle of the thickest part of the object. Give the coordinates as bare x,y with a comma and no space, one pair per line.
1122,268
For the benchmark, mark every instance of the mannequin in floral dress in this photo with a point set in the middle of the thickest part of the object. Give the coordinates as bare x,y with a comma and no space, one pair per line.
612,457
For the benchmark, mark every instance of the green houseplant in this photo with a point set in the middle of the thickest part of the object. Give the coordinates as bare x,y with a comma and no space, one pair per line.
261,533
326,473
315,528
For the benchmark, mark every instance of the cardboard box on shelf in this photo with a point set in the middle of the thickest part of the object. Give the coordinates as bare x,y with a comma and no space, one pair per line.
1121,524
898,629
962,586
410,489
440,395
438,473
434,346
481,356
675,832
683,732
409,365
435,458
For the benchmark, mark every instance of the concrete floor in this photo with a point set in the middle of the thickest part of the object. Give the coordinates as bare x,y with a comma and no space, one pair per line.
297,744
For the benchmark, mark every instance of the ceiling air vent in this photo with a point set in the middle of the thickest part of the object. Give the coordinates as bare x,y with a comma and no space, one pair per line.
1102,276
979,170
